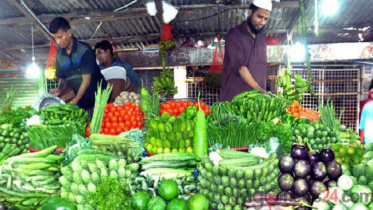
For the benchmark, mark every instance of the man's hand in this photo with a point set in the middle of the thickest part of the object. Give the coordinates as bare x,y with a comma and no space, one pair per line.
55,91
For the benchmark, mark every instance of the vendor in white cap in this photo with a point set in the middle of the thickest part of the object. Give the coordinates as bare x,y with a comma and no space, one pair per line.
245,59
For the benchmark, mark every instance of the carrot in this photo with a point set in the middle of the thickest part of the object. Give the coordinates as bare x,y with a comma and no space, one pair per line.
200,144
312,112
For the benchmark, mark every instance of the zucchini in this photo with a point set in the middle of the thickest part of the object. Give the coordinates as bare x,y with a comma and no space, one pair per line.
177,156
238,162
231,154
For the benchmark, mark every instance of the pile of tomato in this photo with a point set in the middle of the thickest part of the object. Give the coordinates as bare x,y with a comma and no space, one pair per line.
175,108
118,119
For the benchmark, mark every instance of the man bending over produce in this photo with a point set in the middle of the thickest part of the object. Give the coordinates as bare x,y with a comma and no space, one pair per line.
76,65
104,53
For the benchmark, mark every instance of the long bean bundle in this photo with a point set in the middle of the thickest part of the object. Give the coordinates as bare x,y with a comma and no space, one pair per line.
100,103
328,116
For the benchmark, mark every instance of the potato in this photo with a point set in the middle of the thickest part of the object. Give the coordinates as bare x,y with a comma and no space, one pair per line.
132,93
137,102
124,93
136,97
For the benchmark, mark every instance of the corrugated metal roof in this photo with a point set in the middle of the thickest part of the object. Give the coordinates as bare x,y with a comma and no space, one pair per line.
198,23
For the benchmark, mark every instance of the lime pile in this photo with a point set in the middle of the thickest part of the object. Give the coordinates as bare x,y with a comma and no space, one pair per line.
169,134
316,135
349,155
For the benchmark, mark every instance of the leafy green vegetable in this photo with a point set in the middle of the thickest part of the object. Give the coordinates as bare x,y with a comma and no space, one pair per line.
16,116
110,193
74,146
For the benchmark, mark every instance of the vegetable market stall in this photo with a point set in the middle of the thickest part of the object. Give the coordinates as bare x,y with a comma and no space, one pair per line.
256,151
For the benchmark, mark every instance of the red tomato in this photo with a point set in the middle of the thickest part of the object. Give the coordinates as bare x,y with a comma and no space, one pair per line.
181,109
126,108
121,125
133,118
108,125
138,117
176,112
126,117
119,130
138,109
120,119
110,114
112,131
114,119
139,123
106,119
122,112
163,105
185,104
106,130
203,105
87,130
206,112
113,109
190,103
114,125
127,124
161,111
116,113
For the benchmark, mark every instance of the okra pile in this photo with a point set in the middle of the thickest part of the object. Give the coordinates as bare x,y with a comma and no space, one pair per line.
28,179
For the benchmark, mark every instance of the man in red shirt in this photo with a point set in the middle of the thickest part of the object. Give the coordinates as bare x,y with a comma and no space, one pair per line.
245,60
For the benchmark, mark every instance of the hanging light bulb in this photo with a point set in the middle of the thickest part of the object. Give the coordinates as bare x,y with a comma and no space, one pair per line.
33,71
330,7
298,52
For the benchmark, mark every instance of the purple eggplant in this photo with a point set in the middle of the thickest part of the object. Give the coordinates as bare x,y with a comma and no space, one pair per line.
284,195
318,171
313,157
299,152
286,164
302,169
334,169
306,198
286,181
326,155
317,188
300,187
330,183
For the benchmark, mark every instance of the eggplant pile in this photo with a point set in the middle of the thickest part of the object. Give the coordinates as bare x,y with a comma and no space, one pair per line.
305,174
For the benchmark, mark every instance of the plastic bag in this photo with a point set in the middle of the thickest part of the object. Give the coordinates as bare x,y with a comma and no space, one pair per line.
214,75
167,41
50,68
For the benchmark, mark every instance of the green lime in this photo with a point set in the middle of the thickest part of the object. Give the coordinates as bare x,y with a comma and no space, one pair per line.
318,133
140,200
356,159
347,159
181,144
339,160
168,190
351,151
320,147
336,147
177,204
166,150
157,203
174,150
342,151
182,150
360,151
188,143
160,150
198,202
312,142
167,144
149,147
189,150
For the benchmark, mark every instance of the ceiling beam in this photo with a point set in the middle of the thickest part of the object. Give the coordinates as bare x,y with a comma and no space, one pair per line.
153,36
30,16
80,18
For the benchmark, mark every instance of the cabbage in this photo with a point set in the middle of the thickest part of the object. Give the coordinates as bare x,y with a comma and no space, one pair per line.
340,206
345,182
361,194
320,205
359,206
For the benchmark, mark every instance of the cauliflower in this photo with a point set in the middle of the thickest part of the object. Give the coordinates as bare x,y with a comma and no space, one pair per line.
260,152
215,157
34,120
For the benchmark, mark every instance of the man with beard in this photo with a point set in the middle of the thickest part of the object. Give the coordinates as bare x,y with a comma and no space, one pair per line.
245,60
76,66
